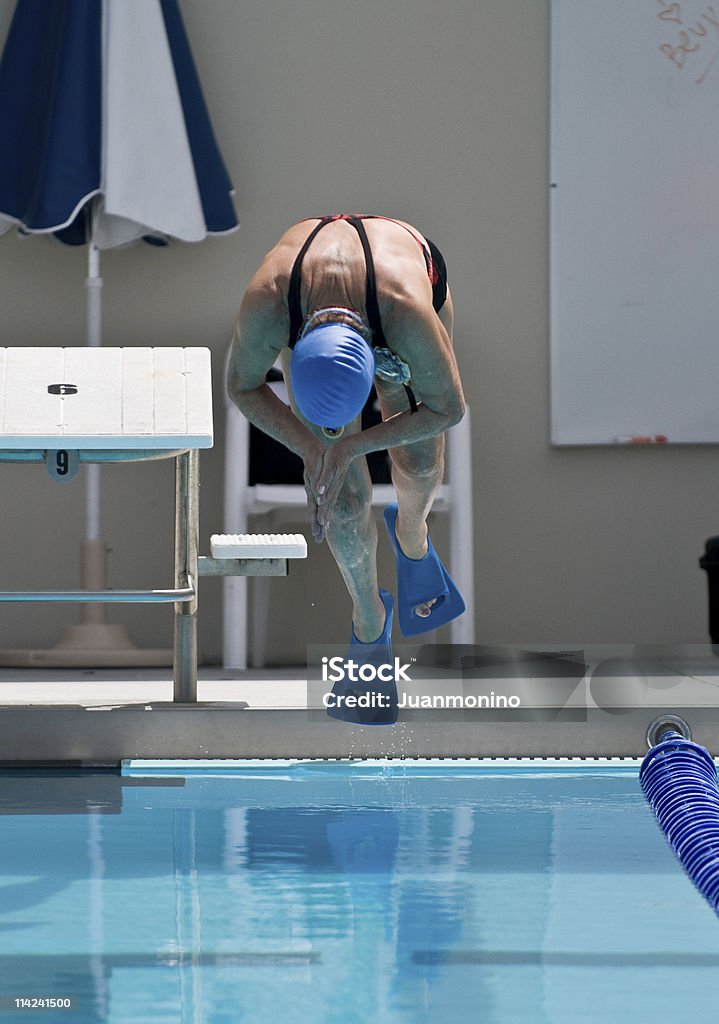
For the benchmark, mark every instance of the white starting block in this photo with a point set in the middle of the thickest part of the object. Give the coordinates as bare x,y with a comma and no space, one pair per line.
252,554
68,406
258,545
102,400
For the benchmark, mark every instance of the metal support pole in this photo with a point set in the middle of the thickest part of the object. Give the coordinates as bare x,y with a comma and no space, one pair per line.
187,502
93,556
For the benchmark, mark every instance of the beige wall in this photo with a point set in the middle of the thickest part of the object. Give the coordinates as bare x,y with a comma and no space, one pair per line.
435,112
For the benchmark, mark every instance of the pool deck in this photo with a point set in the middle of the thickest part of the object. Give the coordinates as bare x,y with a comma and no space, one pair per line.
106,716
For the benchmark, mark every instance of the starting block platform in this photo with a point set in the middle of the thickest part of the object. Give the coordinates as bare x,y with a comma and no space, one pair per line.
68,406
258,545
252,554
124,400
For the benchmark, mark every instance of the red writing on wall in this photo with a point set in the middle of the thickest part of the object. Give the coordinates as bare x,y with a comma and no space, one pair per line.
695,44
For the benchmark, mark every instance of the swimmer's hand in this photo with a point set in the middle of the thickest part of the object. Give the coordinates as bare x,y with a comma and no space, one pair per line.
325,471
337,460
313,470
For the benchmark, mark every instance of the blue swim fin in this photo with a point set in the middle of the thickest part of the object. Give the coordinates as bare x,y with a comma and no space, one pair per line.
373,702
420,580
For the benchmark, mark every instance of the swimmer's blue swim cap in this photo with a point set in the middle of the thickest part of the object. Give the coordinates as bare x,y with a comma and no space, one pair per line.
331,371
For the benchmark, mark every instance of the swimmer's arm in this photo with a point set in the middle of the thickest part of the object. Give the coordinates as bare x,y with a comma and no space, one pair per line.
423,342
259,336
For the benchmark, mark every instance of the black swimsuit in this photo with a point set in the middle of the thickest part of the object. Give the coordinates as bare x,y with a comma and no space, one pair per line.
436,270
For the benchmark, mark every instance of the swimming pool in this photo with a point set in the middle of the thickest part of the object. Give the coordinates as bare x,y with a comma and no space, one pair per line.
389,892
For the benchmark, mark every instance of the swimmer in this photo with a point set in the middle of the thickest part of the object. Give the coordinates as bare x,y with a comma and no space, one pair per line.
346,302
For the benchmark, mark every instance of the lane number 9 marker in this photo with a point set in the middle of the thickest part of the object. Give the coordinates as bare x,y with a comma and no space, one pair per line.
62,465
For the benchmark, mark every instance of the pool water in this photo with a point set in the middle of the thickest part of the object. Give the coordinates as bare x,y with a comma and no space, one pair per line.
324,892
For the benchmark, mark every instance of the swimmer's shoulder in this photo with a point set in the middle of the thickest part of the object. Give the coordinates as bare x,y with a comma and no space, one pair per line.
271,282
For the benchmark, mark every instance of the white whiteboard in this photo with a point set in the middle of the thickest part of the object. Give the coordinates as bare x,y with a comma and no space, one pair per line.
634,221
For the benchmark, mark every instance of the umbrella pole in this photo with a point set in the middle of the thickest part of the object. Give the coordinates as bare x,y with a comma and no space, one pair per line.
93,556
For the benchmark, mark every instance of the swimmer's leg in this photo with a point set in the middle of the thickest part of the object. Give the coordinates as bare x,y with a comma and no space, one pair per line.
352,537
417,469
426,595
417,472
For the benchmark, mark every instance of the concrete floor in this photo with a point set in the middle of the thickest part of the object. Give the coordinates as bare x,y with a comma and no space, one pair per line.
260,689
106,716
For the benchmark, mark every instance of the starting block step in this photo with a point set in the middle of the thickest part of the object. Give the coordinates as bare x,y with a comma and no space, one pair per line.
258,545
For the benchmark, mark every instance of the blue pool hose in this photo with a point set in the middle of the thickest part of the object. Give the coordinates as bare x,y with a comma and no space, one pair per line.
680,783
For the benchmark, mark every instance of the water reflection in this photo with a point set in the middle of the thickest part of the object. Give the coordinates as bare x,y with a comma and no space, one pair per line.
324,895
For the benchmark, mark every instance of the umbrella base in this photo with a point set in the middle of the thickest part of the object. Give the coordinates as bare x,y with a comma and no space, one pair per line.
89,645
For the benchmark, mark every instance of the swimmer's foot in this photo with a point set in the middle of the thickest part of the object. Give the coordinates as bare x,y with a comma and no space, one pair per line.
416,554
379,651
366,696
369,622
426,595
425,610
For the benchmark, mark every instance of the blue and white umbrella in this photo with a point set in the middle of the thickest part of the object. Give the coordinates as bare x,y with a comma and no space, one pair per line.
106,138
